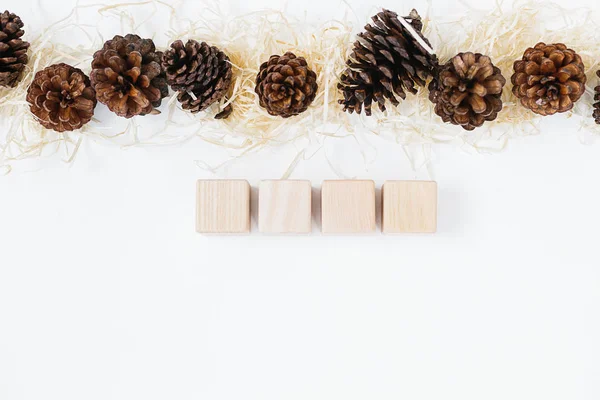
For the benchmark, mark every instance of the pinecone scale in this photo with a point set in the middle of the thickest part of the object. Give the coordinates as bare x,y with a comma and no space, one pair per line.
596,114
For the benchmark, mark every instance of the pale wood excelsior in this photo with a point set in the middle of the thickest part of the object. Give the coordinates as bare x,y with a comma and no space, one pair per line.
284,206
409,207
348,207
223,207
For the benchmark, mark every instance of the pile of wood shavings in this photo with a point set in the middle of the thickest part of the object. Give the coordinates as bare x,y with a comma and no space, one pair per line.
250,39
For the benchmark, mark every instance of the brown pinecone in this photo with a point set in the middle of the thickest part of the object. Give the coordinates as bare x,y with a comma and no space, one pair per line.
549,79
13,50
467,90
128,77
285,85
597,99
387,61
200,73
61,98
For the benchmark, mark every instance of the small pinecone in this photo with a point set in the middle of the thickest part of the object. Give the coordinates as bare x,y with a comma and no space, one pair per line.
597,99
61,98
285,85
387,61
128,77
13,50
549,79
467,90
200,73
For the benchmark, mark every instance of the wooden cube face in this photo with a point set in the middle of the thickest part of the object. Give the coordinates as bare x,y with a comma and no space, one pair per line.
409,207
284,207
348,207
223,206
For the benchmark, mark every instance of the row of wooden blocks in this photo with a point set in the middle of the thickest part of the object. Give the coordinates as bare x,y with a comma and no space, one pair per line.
347,206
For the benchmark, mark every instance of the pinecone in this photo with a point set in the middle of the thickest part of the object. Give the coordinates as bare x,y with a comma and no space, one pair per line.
128,77
549,79
597,99
388,60
200,73
61,98
467,90
285,85
13,50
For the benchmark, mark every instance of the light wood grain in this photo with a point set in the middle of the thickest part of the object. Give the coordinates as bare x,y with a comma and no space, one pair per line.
284,206
223,206
348,207
409,207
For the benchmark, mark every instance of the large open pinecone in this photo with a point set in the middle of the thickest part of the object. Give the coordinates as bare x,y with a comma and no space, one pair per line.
388,60
597,100
128,77
285,85
13,50
61,98
467,90
549,79
200,73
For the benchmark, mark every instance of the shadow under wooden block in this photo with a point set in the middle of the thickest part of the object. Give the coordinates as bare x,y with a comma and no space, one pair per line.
284,206
409,207
223,206
348,207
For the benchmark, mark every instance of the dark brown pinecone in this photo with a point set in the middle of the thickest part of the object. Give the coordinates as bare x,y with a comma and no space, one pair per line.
597,99
387,61
128,77
549,79
467,90
13,50
61,98
200,73
285,85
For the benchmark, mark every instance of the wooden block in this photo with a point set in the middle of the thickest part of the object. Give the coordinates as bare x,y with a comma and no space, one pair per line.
223,206
409,207
348,207
284,207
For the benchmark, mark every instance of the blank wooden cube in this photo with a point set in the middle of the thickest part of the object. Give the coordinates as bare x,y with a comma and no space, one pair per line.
284,207
409,207
223,206
348,207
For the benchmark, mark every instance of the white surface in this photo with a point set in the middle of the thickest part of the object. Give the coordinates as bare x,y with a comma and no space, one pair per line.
106,291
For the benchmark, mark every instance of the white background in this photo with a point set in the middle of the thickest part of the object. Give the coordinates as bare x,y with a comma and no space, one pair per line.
106,291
